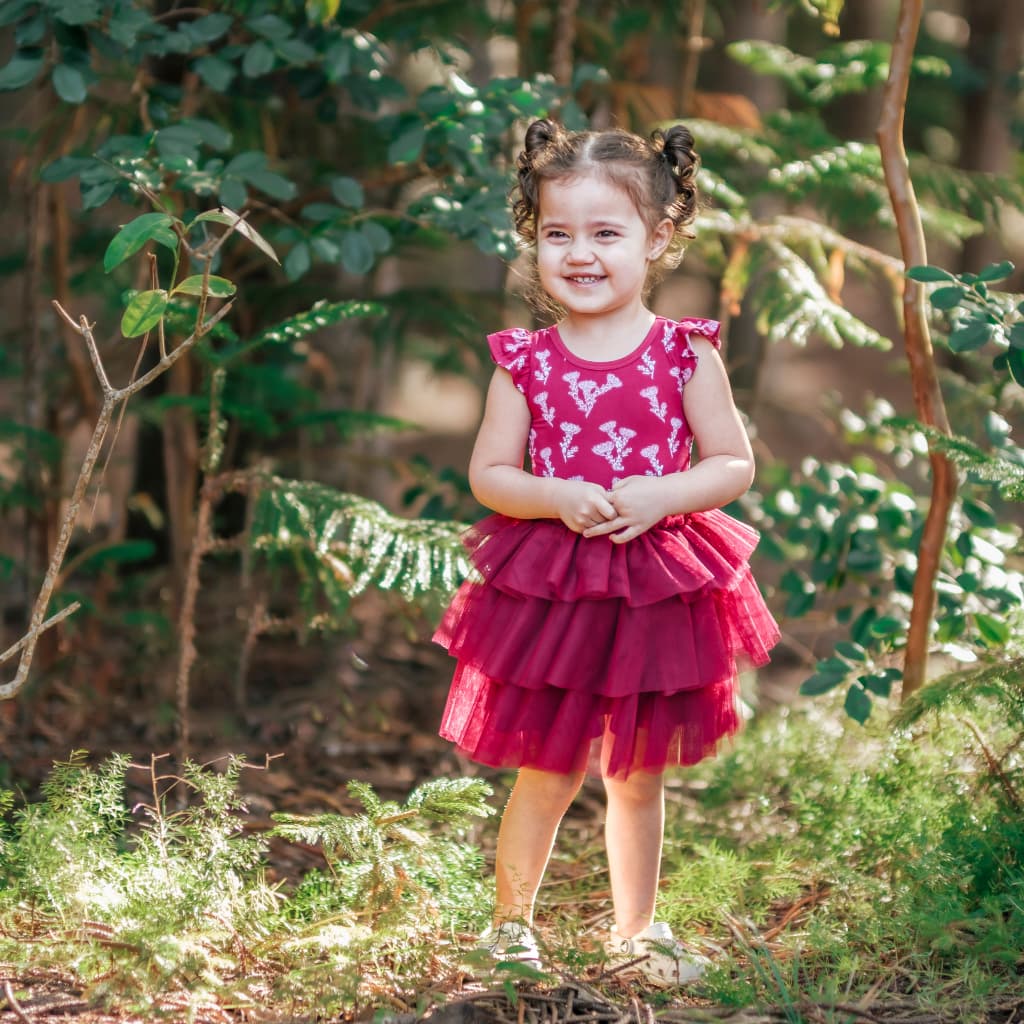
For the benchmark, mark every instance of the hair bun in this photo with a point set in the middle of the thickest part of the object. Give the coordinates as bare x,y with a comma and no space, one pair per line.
540,134
677,147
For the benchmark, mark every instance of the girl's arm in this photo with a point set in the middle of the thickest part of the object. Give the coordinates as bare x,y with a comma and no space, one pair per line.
725,469
496,473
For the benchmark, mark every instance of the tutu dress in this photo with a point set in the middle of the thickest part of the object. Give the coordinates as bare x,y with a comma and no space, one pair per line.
577,653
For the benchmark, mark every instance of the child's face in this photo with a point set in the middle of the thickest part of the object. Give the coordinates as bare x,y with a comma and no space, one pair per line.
593,247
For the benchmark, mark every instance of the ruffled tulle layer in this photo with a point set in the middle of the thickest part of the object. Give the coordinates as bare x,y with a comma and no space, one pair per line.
569,646
680,556
502,725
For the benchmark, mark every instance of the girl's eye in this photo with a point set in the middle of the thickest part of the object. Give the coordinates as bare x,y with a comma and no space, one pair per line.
557,235
607,233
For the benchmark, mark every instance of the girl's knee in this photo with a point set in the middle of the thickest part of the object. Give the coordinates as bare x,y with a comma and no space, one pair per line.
637,788
551,788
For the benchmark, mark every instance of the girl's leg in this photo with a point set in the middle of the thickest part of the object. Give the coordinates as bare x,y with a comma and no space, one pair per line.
527,834
633,832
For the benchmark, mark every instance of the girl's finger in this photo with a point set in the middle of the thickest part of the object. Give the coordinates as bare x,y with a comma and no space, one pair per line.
607,509
602,528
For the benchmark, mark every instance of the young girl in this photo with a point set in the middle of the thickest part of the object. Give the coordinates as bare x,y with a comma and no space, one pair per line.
614,596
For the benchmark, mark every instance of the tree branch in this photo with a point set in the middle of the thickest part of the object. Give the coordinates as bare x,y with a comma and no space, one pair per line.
112,397
928,400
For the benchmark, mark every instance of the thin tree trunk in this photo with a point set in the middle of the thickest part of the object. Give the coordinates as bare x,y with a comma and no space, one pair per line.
921,359
692,48
564,41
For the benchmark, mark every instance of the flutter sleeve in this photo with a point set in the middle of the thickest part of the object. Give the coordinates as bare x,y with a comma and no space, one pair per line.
511,350
681,349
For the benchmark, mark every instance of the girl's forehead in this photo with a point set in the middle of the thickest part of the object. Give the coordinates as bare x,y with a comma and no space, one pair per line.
585,189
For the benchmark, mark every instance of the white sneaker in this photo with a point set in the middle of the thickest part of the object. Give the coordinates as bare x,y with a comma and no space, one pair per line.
513,942
665,960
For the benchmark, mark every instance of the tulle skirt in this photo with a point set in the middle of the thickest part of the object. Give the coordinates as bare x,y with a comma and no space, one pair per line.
582,654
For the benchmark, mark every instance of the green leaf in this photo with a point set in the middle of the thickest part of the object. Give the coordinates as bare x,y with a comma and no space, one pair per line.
858,703
270,26
972,335
274,185
243,164
243,227
1015,364
321,212
216,72
21,69
979,513
996,271
69,84
118,554
298,261
377,235
232,193
408,146
928,273
993,631
1017,335
348,192
851,650
132,237
258,60
209,28
886,625
295,51
322,11
65,167
818,684
144,312
947,298
357,254
219,287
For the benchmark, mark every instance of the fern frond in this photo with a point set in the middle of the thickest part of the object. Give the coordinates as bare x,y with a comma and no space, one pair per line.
851,67
992,467
320,315
1001,683
452,801
794,304
345,543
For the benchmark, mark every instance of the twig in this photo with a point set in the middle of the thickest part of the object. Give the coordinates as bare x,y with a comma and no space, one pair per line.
14,1005
994,766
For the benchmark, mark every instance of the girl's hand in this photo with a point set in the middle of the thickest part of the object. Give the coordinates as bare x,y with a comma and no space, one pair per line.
582,505
640,502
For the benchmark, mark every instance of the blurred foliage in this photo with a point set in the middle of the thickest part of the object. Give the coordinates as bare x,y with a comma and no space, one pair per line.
362,139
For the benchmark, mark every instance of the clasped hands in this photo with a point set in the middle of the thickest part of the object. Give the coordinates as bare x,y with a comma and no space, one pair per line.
630,508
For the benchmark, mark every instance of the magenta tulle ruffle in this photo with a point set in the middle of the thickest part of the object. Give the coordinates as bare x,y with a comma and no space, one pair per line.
577,653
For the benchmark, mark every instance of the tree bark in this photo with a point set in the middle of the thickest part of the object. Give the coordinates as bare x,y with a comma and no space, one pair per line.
928,401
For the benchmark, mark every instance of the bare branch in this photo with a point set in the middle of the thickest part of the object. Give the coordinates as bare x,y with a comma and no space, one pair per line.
67,526
924,376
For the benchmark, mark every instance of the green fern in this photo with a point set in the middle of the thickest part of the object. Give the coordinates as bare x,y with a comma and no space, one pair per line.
794,305
1000,683
387,857
341,544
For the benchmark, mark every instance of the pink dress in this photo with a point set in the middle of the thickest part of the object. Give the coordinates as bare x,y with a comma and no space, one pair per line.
577,653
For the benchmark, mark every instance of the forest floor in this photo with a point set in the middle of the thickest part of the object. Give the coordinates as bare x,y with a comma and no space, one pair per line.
364,708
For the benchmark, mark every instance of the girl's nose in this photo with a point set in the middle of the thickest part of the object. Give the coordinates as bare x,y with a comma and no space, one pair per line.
580,251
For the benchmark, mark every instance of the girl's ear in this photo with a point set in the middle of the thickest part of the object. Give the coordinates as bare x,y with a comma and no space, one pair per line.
660,237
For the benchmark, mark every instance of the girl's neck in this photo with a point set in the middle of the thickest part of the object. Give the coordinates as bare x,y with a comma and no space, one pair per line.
607,336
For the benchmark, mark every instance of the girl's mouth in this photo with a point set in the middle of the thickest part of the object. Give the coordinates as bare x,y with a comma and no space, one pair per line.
585,279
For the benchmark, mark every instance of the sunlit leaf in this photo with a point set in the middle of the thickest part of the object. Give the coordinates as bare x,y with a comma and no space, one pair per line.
218,287
223,215
144,312
132,237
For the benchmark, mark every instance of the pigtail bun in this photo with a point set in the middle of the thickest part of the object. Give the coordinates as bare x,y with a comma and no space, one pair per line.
540,137
676,148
